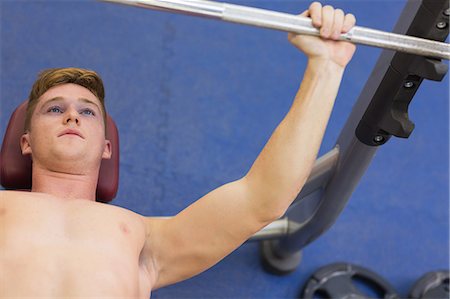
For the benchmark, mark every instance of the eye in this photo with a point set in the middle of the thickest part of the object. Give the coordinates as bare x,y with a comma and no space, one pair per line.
88,111
55,109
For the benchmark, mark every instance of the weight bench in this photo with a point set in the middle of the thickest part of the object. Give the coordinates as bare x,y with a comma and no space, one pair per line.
15,169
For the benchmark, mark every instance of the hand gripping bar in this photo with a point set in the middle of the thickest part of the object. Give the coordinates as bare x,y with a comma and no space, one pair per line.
296,24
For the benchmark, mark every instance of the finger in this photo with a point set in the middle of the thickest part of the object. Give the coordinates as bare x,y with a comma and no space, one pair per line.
349,22
327,21
337,23
315,13
305,13
291,35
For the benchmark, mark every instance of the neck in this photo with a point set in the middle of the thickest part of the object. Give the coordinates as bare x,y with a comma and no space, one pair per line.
64,185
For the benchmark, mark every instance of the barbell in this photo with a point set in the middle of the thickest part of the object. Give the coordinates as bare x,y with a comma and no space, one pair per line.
297,24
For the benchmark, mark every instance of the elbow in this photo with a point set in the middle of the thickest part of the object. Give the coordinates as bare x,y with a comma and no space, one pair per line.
280,201
276,215
281,204
271,201
272,208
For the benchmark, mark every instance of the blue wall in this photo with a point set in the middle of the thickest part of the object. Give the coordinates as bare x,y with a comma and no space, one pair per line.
195,100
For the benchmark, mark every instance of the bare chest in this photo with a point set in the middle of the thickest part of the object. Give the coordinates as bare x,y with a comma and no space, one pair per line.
42,219
73,247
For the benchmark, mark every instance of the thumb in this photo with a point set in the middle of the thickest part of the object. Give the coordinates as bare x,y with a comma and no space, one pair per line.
303,14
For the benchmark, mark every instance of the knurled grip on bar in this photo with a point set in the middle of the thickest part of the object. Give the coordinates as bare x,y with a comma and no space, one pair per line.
296,24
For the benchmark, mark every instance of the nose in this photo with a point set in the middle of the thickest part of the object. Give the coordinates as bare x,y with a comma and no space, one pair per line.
71,115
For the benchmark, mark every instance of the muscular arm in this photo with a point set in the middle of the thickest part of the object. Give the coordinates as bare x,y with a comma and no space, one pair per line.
208,230
222,220
285,163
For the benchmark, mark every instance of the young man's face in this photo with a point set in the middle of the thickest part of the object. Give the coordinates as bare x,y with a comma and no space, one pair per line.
67,133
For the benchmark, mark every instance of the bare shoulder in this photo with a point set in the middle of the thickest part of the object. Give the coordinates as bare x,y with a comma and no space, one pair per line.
39,198
8,194
153,230
82,217
15,199
49,204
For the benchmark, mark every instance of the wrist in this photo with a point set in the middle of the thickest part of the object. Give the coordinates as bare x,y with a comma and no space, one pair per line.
325,65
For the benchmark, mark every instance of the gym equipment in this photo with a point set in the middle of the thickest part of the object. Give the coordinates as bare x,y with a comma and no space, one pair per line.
342,280
302,25
380,112
431,285
15,169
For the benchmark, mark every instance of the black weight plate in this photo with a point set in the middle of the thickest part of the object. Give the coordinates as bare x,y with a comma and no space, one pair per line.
345,281
431,285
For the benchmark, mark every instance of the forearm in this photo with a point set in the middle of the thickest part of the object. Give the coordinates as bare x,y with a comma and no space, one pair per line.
283,166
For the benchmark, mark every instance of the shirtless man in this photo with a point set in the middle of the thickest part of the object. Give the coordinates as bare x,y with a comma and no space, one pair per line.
58,242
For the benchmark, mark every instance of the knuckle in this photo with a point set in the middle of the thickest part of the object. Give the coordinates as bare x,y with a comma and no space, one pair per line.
325,32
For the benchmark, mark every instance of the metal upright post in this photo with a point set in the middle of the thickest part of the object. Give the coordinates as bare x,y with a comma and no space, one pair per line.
380,112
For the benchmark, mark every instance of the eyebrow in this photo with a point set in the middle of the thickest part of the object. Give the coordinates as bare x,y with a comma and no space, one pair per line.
53,100
80,99
90,102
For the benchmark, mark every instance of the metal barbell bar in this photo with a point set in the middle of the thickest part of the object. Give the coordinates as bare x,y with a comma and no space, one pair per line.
293,23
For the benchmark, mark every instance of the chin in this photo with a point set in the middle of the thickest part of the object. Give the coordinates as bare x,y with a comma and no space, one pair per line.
76,156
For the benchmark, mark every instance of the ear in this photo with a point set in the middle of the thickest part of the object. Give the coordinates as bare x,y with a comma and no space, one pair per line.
107,150
25,144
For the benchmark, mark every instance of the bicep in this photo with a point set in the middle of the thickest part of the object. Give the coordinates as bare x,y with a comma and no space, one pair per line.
204,233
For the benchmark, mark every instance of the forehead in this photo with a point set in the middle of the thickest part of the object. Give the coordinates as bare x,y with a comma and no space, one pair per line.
68,91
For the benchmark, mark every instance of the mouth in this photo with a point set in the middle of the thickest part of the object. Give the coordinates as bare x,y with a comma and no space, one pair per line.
71,132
